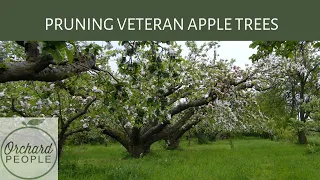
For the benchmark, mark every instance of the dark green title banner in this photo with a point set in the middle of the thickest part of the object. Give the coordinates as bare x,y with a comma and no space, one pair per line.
159,20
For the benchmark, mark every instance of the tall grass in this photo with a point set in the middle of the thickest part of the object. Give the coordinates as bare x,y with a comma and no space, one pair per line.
248,159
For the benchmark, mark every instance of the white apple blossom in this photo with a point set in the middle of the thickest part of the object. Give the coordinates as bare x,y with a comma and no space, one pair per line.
39,102
128,125
2,94
96,90
52,86
85,125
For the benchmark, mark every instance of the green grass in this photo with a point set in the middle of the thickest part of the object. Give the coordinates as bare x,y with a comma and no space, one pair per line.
250,159
314,140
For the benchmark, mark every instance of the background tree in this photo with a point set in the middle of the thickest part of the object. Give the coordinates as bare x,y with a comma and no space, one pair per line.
69,99
296,72
48,100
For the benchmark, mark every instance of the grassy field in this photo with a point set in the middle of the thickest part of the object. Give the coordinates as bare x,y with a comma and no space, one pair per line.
249,159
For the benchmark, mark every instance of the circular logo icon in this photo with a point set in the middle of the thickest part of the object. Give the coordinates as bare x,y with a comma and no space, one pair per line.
29,153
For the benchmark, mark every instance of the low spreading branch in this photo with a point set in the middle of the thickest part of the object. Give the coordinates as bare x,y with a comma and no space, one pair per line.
76,131
36,67
79,114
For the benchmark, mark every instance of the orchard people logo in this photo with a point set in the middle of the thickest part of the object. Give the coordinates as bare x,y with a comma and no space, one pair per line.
29,152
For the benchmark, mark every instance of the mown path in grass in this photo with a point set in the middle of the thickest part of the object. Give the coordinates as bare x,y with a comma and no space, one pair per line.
250,159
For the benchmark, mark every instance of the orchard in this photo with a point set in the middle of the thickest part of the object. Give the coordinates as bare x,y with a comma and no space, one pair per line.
158,95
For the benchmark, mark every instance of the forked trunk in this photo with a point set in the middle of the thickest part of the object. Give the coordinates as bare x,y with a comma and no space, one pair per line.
136,146
138,150
173,140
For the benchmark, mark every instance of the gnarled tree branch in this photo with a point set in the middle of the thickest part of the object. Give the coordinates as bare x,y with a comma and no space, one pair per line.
117,135
40,70
14,109
76,131
79,114
36,66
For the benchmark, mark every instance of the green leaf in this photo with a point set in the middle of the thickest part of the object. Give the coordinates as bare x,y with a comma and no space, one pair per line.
70,54
316,45
290,55
56,55
253,45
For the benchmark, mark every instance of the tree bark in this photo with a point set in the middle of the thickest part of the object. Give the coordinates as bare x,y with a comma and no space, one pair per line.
133,142
302,138
138,150
172,142
61,142
29,71
36,66
137,147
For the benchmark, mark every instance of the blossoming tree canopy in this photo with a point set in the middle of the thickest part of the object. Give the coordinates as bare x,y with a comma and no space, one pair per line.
160,91
296,72
155,93
70,98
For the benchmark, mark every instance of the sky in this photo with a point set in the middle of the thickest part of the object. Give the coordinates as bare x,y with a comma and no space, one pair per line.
238,50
